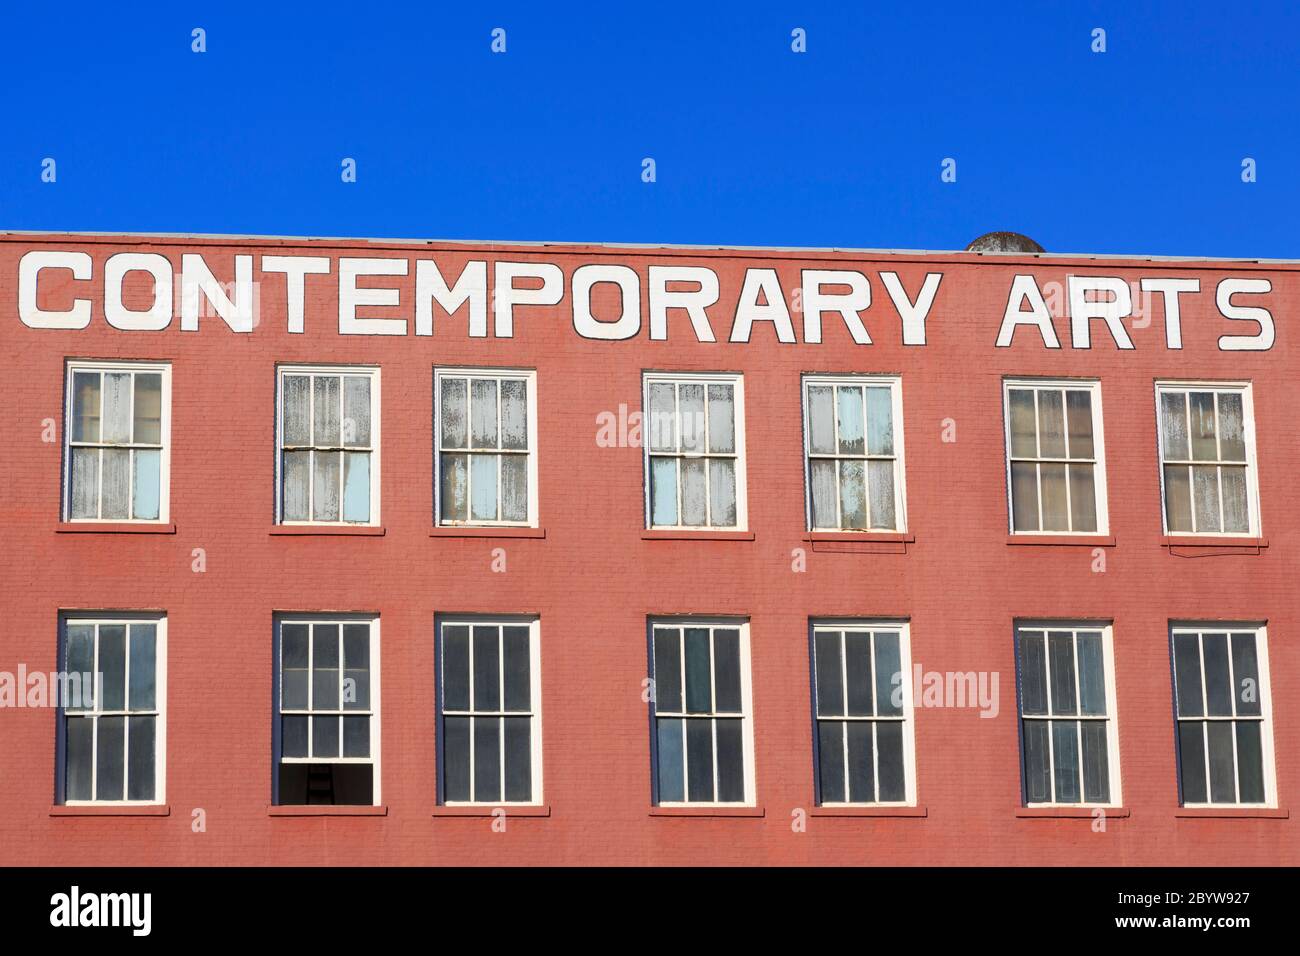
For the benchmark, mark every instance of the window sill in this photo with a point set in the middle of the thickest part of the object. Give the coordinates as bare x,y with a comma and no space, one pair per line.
113,527
865,811
294,530
469,531
1223,542
707,812
1065,813
331,810
1076,540
888,537
485,810
1264,813
112,810
688,534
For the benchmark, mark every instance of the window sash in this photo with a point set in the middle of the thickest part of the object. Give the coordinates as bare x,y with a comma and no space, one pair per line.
370,711
1246,464
1088,468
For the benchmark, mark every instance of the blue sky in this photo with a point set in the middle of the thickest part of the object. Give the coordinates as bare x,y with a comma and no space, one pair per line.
1138,149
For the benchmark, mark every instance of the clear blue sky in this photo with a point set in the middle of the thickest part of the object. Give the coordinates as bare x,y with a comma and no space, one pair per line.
1138,149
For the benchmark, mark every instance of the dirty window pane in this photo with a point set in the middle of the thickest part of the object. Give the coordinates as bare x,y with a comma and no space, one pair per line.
849,418
297,410
325,505
514,488
85,406
117,407
116,500
80,660
297,466
454,494
663,417
722,424
1051,424
148,408
880,421
690,409
483,413
1205,493
722,492
853,494
85,482
1178,498
694,492
514,414
1083,498
821,420
1236,514
1023,428
326,409
824,494
1024,495
356,410
1173,425
1078,414
452,408
1205,446
356,486
880,484
1056,515
1232,437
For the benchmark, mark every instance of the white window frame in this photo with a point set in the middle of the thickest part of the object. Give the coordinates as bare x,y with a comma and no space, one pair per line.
375,444
746,706
895,385
1112,710
1248,438
529,377
374,713
1098,454
1267,755
165,447
737,381
534,626
160,705
903,629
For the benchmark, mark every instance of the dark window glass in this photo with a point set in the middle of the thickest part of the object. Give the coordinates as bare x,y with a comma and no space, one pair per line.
455,667
731,761
518,758
699,759
518,688
889,741
830,757
671,779
698,692
1191,760
726,670
487,758
862,787
1033,673
857,669
668,676
455,758
830,691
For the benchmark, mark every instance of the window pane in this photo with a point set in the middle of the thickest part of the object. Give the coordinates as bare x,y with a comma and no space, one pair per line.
722,492
356,486
514,414
1205,493
85,482
853,494
356,410
112,664
862,782
848,408
1060,652
483,487
1250,762
1191,760
77,780
293,668
699,760
1037,776
1033,673
142,689
1065,760
889,744
296,424
516,676
356,667
1223,783
117,407
663,417
699,698
880,421
455,758
325,667
297,465
1020,402
731,762
672,787
1205,446
1178,498
455,667
821,420
356,736
326,408
1056,515
1245,671
663,491
148,408
1173,425
722,419
454,495
487,668
1218,684
116,501
110,751
1187,675
1083,498
726,671
830,686
140,772
830,760
145,489
1232,436
1078,419
1236,514
824,494
293,735
1051,424
483,413
857,672
880,484
1092,677
668,667
519,758
80,659
889,675
1096,770
452,408
325,503
694,492
85,406
325,736
1024,496
690,413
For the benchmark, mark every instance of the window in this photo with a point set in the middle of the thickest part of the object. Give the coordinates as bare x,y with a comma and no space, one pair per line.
702,745
329,445
1207,458
487,462
1225,741
854,458
489,711
111,746
1068,736
1055,457
326,732
118,432
694,437
862,699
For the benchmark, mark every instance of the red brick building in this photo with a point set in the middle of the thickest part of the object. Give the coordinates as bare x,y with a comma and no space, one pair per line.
917,558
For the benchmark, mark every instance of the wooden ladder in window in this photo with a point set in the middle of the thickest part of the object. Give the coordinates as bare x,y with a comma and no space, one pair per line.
320,785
